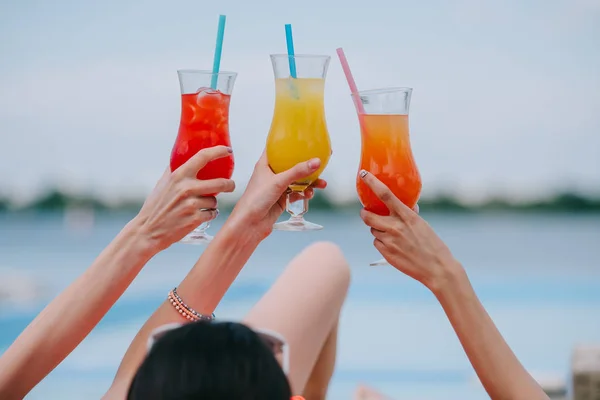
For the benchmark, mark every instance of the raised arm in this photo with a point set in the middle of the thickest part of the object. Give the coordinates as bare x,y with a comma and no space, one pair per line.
205,285
171,211
411,246
496,365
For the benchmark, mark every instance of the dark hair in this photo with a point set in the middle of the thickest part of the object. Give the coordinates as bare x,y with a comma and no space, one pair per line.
210,361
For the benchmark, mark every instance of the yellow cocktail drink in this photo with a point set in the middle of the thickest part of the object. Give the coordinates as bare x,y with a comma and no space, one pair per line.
298,131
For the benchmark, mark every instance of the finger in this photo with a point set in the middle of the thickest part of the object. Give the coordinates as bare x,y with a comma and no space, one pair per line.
298,172
373,220
309,192
166,173
203,188
205,215
380,246
262,161
193,204
163,178
203,157
206,203
377,234
416,208
384,194
297,196
319,184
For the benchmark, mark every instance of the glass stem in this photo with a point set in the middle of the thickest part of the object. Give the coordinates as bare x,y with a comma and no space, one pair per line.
205,225
297,208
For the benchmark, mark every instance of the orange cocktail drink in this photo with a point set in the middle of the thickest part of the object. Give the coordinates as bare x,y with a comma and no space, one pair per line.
386,150
386,153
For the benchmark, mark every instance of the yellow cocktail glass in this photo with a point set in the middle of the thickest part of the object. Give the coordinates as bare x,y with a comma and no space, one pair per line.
298,131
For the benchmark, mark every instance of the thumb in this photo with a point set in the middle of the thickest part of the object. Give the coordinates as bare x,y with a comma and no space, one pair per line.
298,172
164,176
163,179
203,157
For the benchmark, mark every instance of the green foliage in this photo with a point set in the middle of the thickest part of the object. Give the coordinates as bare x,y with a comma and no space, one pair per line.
321,202
56,200
442,203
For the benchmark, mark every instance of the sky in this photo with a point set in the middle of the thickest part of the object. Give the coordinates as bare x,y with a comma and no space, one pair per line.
506,94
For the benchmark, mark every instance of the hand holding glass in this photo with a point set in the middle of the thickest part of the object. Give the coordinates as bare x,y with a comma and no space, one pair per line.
204,123
298,131
386,152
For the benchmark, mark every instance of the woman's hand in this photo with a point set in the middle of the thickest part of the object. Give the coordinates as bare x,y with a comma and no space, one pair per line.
264,199
409,244
405,240
178,203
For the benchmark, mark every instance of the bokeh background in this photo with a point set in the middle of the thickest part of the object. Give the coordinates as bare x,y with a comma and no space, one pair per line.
505,129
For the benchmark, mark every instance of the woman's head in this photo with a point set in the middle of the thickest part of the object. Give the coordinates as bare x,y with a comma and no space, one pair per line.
202,360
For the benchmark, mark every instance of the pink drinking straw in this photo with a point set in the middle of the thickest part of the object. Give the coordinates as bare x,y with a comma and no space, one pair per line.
353,89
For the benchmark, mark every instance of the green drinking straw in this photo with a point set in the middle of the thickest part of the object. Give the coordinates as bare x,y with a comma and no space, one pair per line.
290,49
218,51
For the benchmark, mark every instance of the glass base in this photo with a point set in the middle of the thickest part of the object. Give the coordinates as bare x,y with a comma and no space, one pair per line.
297,224
197,236
379,262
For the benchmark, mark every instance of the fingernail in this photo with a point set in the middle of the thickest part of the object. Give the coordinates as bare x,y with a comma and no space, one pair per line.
216,213
363,173
314,163
229,150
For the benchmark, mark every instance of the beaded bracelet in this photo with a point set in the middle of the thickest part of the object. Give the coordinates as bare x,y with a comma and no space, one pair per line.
186,311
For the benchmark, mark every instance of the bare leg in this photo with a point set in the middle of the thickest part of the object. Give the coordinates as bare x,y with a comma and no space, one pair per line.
304,306
318,382
367,393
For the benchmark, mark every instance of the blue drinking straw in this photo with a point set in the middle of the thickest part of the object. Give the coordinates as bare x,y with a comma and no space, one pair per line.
218,50
290,49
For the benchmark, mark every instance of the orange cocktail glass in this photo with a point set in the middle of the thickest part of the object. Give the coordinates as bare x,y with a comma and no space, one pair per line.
204,123
386,150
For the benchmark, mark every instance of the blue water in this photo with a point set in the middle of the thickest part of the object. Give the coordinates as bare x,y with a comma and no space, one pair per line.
538,276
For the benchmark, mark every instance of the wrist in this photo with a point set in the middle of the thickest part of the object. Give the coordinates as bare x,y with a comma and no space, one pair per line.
249,225
218,266
239,230
450,277
135,239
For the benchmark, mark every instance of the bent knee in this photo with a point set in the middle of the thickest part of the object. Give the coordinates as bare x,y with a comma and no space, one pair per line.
325,248
327,258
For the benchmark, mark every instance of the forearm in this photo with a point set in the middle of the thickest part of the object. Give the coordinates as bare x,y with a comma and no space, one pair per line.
202,289
206,284
498,368
70,317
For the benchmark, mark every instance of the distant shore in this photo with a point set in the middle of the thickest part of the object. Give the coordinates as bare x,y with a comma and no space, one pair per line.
565,202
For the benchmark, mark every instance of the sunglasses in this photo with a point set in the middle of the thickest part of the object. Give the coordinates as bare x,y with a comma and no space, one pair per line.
273,340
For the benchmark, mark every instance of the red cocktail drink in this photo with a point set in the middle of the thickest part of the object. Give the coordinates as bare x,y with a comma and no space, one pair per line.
204,123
